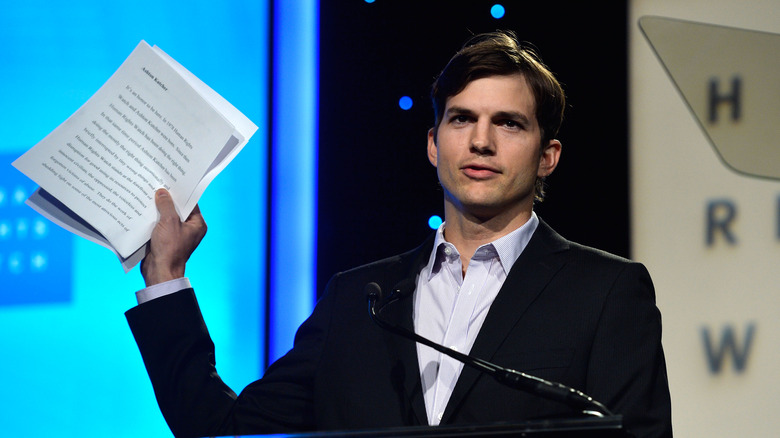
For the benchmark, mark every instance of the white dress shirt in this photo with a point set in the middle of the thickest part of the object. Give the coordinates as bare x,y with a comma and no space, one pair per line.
449,308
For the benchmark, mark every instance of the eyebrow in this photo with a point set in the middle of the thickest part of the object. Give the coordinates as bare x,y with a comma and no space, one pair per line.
512,115
453,110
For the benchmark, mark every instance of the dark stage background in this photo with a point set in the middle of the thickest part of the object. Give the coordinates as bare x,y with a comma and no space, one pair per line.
376,187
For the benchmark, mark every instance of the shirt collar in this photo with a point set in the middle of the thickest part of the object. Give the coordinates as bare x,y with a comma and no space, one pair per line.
508,247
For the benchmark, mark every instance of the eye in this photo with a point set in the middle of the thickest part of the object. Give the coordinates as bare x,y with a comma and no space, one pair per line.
510,124
460,119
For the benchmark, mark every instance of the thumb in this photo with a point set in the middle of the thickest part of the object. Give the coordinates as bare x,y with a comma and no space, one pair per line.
164,202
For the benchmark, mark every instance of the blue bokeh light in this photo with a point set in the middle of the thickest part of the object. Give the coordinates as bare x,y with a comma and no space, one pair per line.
434,222
405,103
497,11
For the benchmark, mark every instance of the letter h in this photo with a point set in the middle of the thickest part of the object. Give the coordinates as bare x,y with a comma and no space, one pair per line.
734,99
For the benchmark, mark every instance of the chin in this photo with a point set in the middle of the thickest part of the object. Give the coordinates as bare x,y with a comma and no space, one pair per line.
482,210
487,209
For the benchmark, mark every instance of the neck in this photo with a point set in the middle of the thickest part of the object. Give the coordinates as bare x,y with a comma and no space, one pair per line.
468,232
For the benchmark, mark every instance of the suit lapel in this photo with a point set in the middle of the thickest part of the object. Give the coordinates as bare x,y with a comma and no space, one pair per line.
532,271
401,313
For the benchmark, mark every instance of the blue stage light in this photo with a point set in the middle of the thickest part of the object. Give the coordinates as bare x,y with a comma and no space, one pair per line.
294,186
434,222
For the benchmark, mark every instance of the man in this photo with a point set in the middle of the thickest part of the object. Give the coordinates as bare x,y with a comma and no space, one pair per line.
494,281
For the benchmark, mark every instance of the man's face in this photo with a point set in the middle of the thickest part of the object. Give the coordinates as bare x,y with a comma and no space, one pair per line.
487,150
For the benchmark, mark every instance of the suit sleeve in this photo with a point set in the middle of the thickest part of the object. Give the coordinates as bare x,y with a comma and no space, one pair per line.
179,357
627,370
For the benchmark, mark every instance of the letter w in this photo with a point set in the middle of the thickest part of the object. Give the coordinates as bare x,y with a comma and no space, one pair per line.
716,354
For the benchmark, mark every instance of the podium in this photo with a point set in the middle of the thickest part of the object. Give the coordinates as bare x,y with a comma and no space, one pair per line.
587,427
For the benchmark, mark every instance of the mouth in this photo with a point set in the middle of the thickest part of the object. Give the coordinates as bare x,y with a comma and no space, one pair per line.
479,171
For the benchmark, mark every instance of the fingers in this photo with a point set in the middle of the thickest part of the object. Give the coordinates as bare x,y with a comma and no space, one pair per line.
164,203
168,211
172,242
196,219
194,227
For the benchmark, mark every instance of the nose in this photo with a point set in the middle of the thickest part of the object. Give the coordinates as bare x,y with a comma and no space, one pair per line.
481,139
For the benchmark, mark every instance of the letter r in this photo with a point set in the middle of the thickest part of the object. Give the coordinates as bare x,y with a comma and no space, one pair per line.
720,216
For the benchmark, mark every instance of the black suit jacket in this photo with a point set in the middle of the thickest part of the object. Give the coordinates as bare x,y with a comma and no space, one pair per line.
565,313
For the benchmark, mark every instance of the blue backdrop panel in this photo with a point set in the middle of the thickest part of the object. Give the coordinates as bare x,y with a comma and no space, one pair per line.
30,248
70,366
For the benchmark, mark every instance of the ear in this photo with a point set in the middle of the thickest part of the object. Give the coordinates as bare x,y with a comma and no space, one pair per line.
433,151
548,160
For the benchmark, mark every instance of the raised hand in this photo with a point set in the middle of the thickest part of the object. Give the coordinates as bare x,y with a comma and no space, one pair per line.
173,241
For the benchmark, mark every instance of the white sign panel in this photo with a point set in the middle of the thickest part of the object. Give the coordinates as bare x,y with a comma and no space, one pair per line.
704,123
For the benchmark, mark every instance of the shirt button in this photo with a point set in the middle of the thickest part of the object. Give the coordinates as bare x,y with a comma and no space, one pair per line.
441,414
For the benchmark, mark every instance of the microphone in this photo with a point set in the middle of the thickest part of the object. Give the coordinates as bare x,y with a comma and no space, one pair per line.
511,378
